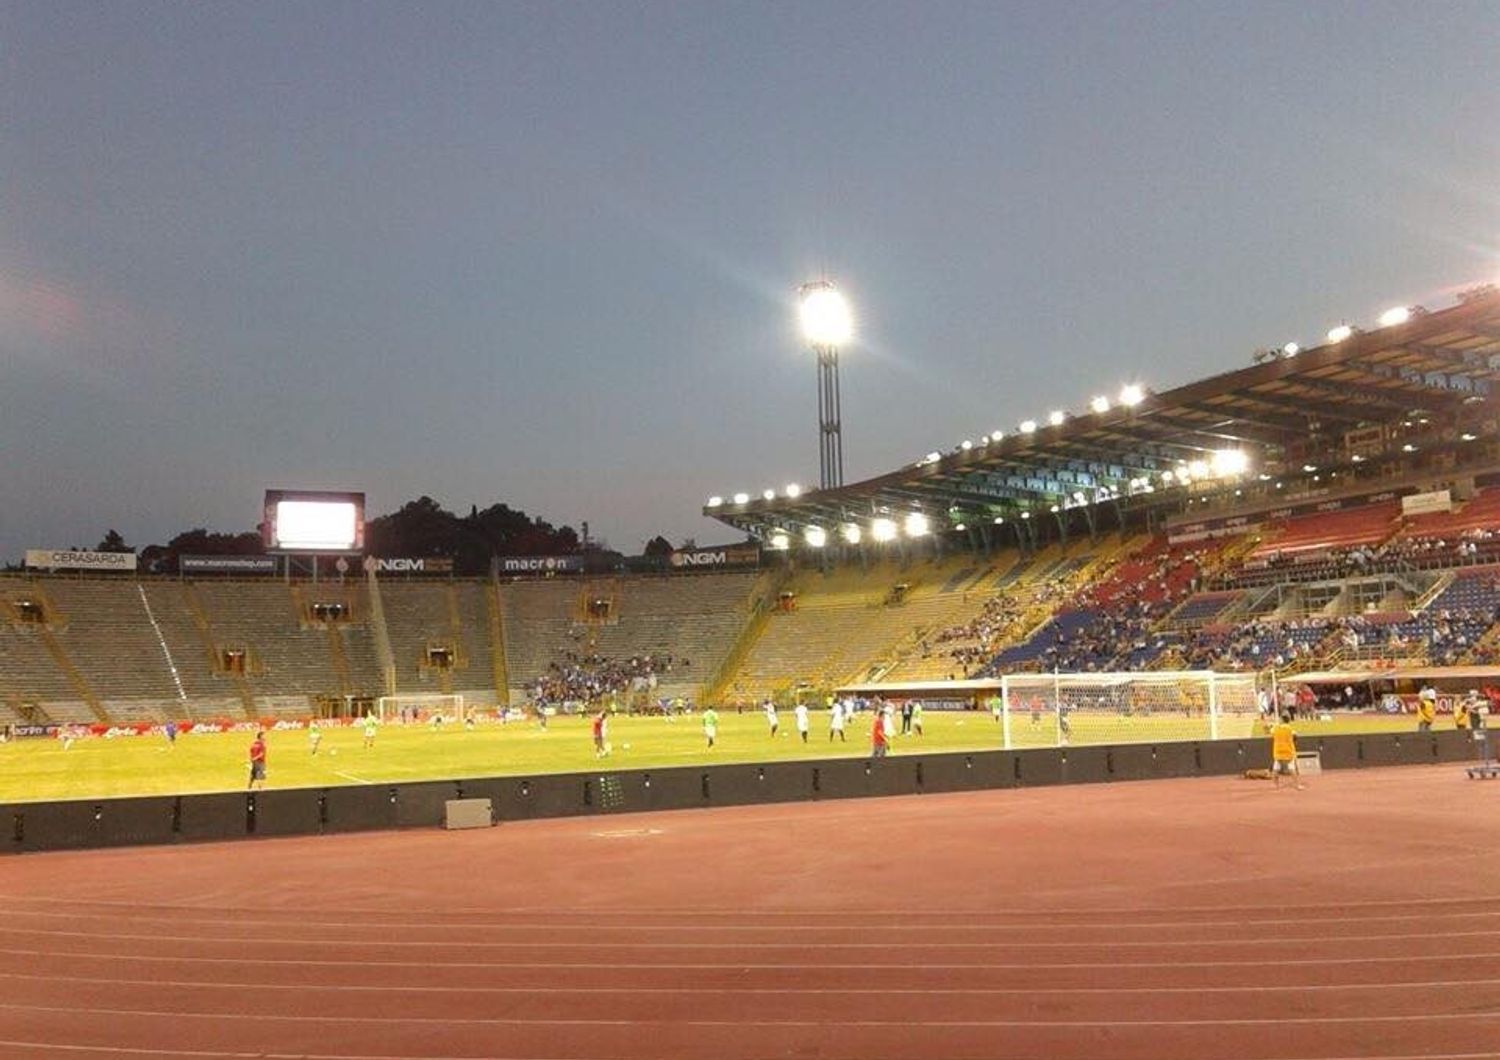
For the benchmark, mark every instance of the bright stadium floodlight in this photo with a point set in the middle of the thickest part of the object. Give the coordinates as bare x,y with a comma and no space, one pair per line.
1100,404
1132,395
715,501
1398,314
934,456
742,498
1056,417
1166,476
883,530
966,444
1227,462
793,490
769,495
1028,426
825,315
851,533
995,436
1340,333
916,524
815,536
999,520
1291,349
1309,468
780,541
827,324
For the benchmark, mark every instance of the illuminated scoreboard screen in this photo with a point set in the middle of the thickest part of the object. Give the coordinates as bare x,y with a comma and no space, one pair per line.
314,521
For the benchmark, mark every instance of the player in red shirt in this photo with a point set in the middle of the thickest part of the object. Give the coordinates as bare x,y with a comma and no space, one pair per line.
601,745
258,760
878,745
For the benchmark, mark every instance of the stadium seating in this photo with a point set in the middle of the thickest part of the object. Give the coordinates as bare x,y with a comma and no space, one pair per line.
696,618
1366,525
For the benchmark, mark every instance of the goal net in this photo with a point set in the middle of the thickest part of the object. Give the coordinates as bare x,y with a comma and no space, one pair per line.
1046,710
421,707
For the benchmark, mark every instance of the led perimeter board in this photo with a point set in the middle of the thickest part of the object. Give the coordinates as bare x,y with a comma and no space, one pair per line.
313,521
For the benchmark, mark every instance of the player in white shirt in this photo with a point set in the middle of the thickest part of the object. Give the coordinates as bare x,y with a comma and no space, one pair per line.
800,713
836,722
770,709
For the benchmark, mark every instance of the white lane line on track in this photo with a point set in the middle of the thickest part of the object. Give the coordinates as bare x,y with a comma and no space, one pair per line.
76,1011
743,966
301,917
123,1050
1148,944
985,991
1216,913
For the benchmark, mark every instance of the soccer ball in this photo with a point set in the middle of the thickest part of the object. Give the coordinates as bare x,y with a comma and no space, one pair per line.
333,750
626,746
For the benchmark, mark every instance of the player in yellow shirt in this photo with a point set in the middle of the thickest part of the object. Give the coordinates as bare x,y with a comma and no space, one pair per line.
1284,751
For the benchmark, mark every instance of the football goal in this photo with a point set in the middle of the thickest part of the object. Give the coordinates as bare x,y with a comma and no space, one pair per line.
1045,710
421,706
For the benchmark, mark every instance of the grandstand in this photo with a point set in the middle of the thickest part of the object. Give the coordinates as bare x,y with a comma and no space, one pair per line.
1358,519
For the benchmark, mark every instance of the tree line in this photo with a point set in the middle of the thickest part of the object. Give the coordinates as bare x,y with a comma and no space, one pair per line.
419,528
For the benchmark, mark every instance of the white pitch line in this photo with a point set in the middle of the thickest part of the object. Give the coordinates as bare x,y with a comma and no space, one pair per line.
76,1011
983,991
351,776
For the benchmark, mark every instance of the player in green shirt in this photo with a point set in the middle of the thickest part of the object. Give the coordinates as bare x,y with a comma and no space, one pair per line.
710,724
997,707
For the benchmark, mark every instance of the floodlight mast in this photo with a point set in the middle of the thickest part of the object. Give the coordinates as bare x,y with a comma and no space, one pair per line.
826,323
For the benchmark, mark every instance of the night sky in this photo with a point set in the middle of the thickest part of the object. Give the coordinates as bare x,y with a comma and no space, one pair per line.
546,253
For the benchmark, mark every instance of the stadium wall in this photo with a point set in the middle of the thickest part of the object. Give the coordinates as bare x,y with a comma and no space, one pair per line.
85,823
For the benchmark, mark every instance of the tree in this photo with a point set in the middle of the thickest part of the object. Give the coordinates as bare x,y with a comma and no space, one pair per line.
113,542
658,546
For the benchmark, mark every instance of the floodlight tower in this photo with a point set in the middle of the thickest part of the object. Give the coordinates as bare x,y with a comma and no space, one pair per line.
826,325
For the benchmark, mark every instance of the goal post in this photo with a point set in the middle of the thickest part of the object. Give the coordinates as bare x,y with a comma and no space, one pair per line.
421,706
1053,709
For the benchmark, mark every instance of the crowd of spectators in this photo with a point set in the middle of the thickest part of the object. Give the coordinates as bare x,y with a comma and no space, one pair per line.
586,678
1467,548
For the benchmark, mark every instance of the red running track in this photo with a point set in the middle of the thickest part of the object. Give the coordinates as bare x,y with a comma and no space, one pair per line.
1205,918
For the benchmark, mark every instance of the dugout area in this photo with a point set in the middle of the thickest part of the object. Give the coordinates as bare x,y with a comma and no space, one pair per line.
151,820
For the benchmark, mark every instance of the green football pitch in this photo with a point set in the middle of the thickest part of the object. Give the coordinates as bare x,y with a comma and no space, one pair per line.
44,769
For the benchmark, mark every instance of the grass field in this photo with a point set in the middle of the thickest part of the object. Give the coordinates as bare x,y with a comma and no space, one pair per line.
32,770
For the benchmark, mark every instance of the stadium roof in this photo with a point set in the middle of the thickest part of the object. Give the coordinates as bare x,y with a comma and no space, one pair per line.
1281,413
